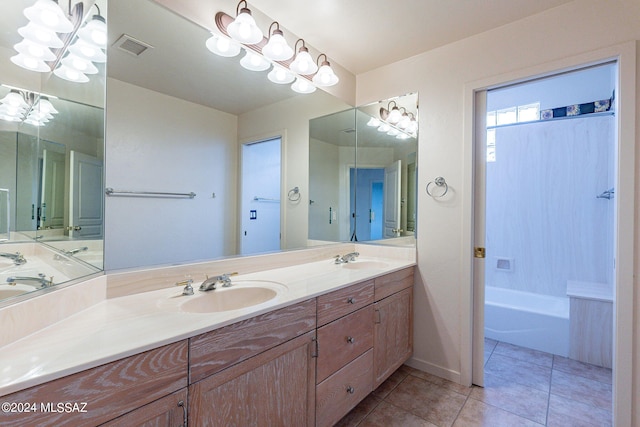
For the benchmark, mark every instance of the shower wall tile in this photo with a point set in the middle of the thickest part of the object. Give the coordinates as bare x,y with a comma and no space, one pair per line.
542,210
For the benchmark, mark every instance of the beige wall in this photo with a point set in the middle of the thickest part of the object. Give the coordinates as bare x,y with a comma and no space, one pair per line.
155,142
444,78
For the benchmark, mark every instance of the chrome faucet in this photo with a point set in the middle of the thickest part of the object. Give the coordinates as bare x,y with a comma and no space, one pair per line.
211,283
76,250
44,282
188,289
350,257
18,258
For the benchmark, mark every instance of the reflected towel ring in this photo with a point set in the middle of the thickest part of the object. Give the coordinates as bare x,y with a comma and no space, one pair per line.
294,194
439,182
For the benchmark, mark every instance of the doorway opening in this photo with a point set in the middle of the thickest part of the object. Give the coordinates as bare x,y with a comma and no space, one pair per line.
261,177
550,169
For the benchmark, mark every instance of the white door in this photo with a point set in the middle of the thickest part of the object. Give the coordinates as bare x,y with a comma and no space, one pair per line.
392,202
87,195
260,197
52,196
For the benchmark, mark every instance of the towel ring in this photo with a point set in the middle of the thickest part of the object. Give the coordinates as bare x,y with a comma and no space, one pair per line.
439,182
294,194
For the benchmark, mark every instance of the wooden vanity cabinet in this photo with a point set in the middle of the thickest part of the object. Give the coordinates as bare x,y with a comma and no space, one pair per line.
273,388
393,327
345,359
260,371
109,391
167,411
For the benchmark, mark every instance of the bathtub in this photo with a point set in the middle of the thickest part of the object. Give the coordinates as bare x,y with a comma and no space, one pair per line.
540,322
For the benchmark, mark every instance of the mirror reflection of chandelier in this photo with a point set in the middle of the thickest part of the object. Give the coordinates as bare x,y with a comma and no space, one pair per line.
22,106
64,44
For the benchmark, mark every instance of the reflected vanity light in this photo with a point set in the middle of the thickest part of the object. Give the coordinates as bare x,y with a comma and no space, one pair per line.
302,85
401,125
48,14
40,35
222,46
373,122
254,62
95,31
46,22
21,105
70,74
280,75
274,50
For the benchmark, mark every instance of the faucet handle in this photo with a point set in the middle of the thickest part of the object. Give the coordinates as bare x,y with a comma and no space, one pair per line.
226,279
188,289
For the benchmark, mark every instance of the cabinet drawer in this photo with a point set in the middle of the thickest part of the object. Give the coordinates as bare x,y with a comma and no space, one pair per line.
343,340
393,282
109,390
216,350
339,303
342,391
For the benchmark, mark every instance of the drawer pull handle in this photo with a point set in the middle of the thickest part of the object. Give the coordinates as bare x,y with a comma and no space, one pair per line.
351,390
350,340
351,300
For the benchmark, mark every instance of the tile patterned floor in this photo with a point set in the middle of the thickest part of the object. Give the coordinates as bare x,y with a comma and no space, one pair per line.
523,387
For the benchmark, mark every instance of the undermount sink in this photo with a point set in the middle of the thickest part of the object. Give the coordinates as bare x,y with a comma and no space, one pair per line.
365,265
242,294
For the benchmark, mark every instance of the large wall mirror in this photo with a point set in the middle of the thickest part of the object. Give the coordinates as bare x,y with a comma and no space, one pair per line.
362,174
177,117
51,130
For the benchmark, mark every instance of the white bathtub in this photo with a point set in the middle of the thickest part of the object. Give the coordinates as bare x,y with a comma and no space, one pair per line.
526,319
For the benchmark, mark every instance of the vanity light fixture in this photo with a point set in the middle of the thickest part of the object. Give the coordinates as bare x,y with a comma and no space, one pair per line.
274,51
303,63
277,48
325,75
244,29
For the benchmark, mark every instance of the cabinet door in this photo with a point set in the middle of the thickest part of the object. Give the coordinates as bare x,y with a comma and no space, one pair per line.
168,411
274,388
393,335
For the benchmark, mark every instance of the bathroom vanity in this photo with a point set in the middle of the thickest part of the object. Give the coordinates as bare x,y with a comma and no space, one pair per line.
306,357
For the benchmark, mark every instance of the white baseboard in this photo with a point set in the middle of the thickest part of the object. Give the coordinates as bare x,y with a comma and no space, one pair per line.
433,369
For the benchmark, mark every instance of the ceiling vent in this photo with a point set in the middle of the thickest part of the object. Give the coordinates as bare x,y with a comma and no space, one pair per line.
131,45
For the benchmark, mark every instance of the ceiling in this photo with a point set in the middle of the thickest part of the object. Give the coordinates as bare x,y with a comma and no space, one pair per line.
362,35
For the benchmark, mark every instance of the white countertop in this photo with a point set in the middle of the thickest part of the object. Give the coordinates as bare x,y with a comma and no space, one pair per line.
120,327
